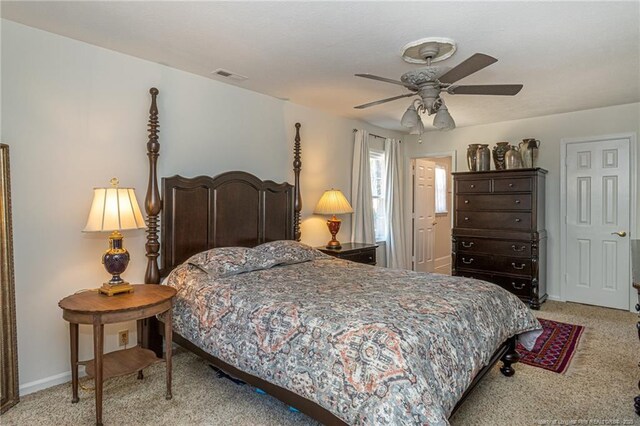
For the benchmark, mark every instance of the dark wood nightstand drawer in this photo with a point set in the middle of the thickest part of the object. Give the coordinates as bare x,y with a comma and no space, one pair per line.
368,257
354,252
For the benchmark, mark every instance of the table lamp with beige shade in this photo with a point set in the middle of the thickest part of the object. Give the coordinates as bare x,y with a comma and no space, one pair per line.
113,210
333,203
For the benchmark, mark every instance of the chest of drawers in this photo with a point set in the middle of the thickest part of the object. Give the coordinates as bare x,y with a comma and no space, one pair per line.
499,230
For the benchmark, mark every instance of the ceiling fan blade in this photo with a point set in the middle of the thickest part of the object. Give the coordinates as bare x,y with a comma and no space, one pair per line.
387,80
382,101
473,64
488,89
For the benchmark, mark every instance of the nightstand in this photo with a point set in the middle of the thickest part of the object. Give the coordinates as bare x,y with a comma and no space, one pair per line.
355,252
90,307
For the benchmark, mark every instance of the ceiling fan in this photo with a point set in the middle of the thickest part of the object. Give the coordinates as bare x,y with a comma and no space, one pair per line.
428,82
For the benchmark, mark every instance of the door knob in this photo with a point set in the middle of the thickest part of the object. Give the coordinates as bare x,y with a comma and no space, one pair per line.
619,233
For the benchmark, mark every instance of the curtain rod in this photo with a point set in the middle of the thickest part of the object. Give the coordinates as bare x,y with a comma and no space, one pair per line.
371,134
376,136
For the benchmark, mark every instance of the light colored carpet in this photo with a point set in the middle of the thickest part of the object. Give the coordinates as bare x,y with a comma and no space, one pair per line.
598,389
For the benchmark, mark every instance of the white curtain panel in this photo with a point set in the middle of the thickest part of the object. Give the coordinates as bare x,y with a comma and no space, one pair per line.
395,246
362,223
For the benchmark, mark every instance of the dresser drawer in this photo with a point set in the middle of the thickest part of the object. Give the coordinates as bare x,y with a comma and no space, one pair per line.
512,265
477,202
521,287
512,185
518,286
474,261
473,185
499,247
493,220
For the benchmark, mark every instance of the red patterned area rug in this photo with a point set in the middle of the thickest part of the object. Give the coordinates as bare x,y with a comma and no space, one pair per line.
554,348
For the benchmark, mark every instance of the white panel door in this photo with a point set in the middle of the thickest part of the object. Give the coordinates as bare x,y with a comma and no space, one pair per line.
598,219
424,213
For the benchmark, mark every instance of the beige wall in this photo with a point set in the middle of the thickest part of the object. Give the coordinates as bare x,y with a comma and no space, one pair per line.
75,115
549,130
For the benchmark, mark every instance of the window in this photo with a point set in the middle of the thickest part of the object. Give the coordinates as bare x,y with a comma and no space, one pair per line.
441,189
377,162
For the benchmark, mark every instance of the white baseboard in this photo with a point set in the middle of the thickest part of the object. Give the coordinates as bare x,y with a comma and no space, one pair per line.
555,298
47,382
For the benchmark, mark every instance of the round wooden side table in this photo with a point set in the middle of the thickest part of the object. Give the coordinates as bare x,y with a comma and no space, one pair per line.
90,307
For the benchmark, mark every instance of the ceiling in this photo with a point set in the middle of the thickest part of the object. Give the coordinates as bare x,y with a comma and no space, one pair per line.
569,55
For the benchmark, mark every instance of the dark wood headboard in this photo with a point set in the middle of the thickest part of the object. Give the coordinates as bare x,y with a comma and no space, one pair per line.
231,209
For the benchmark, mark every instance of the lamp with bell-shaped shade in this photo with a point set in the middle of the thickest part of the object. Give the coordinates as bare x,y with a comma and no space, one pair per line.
333,202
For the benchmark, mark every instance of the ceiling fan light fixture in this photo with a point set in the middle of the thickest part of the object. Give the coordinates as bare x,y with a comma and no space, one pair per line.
418,129
443,120
410,118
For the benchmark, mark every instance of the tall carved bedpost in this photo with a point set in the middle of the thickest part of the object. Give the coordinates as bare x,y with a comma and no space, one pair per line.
297,203
148,329
152,202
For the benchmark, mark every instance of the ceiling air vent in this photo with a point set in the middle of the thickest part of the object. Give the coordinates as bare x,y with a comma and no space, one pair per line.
228,74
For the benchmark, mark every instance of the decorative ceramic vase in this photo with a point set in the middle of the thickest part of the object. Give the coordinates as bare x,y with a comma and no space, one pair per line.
472,153
483,158
529,152
499,150
512,159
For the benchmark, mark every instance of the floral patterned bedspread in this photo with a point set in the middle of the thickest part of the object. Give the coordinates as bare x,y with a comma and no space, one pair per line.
372,345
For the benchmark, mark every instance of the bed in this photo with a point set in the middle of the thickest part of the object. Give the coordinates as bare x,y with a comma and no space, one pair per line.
344,343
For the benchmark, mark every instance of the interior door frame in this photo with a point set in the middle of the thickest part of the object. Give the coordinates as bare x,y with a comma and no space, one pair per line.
409,203
633,177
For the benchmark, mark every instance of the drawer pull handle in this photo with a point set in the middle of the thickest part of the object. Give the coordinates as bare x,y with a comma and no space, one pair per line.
517,286
472,186
510,185
467,262
522,265
518,220
468,245
466,219
638,307
466,201
514,248
517,201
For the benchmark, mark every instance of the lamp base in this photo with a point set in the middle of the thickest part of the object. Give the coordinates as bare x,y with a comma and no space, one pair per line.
115,261
333,245
334,226
111,290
